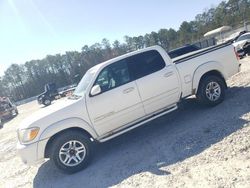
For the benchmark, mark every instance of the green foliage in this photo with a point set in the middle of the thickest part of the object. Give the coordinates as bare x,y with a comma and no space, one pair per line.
27,80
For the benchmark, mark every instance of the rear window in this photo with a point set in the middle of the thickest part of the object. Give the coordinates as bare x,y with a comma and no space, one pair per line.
145,63
182,51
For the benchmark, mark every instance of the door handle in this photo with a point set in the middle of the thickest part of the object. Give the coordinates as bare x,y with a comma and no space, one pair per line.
167,74
128,90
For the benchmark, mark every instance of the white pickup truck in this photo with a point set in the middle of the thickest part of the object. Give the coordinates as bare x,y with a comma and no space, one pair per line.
119,95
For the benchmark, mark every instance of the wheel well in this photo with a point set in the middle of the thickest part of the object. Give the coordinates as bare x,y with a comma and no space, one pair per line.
213,73
49,143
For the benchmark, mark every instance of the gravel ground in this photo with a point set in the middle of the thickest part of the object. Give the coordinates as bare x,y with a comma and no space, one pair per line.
191,147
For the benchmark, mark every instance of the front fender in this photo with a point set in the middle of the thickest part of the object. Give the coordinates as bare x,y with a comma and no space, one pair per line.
66,124
203,69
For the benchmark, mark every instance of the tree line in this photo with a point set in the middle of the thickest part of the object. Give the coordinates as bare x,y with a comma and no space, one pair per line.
22,81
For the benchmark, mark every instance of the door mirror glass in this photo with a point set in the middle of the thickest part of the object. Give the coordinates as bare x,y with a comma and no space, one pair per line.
96,89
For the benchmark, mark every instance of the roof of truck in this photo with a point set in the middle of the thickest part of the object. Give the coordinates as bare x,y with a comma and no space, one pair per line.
110,61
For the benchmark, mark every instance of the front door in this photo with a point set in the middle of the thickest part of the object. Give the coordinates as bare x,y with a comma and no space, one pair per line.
118,103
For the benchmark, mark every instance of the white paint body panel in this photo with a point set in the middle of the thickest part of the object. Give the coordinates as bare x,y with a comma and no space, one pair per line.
159,90
115,112
115,108
222,60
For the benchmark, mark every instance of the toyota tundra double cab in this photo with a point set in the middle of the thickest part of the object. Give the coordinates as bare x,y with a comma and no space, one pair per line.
119,95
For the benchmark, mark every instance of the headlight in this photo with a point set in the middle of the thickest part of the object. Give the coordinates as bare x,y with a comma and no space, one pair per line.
27,135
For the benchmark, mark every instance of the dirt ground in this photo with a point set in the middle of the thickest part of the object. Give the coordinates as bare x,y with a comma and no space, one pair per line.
191,147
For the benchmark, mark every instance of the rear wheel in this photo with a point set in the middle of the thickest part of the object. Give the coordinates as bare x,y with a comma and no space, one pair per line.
211,90
71,151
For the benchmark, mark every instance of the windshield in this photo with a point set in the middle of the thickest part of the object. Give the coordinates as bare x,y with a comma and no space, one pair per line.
84,83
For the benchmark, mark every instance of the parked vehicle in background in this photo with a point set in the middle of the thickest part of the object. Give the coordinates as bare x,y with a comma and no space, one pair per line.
67,91
246,48
119,95
182,50
7,109
50,93
233,37
242,44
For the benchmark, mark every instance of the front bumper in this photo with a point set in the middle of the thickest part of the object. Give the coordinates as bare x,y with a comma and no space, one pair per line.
28,153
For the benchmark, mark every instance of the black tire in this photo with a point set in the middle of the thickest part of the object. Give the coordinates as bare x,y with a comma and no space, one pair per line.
15,113
1,123
211,97
46,102
60,141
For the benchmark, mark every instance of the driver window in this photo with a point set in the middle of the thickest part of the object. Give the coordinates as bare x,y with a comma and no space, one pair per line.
113,76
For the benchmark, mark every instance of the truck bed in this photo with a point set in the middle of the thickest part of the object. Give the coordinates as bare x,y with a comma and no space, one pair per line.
198,53
222,56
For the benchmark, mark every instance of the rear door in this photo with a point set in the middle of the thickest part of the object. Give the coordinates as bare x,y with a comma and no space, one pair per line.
157,81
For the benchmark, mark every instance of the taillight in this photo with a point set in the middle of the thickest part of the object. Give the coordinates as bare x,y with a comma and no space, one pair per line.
236,54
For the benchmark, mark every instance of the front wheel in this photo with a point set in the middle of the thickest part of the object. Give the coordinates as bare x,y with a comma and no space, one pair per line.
211,90
47,102
14,113
71,151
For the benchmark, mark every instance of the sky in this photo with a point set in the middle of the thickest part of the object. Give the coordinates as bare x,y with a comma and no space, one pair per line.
32,29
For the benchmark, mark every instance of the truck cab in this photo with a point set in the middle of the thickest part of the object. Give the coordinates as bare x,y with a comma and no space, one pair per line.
50,93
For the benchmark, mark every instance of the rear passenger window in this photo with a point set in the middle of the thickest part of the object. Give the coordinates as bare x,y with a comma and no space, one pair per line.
145,63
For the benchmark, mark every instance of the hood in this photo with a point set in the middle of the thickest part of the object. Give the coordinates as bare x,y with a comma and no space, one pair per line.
60,110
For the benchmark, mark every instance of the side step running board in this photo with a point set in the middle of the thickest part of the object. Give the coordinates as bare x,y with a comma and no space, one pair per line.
132,126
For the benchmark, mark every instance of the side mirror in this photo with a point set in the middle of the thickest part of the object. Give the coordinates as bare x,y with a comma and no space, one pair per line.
96,89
